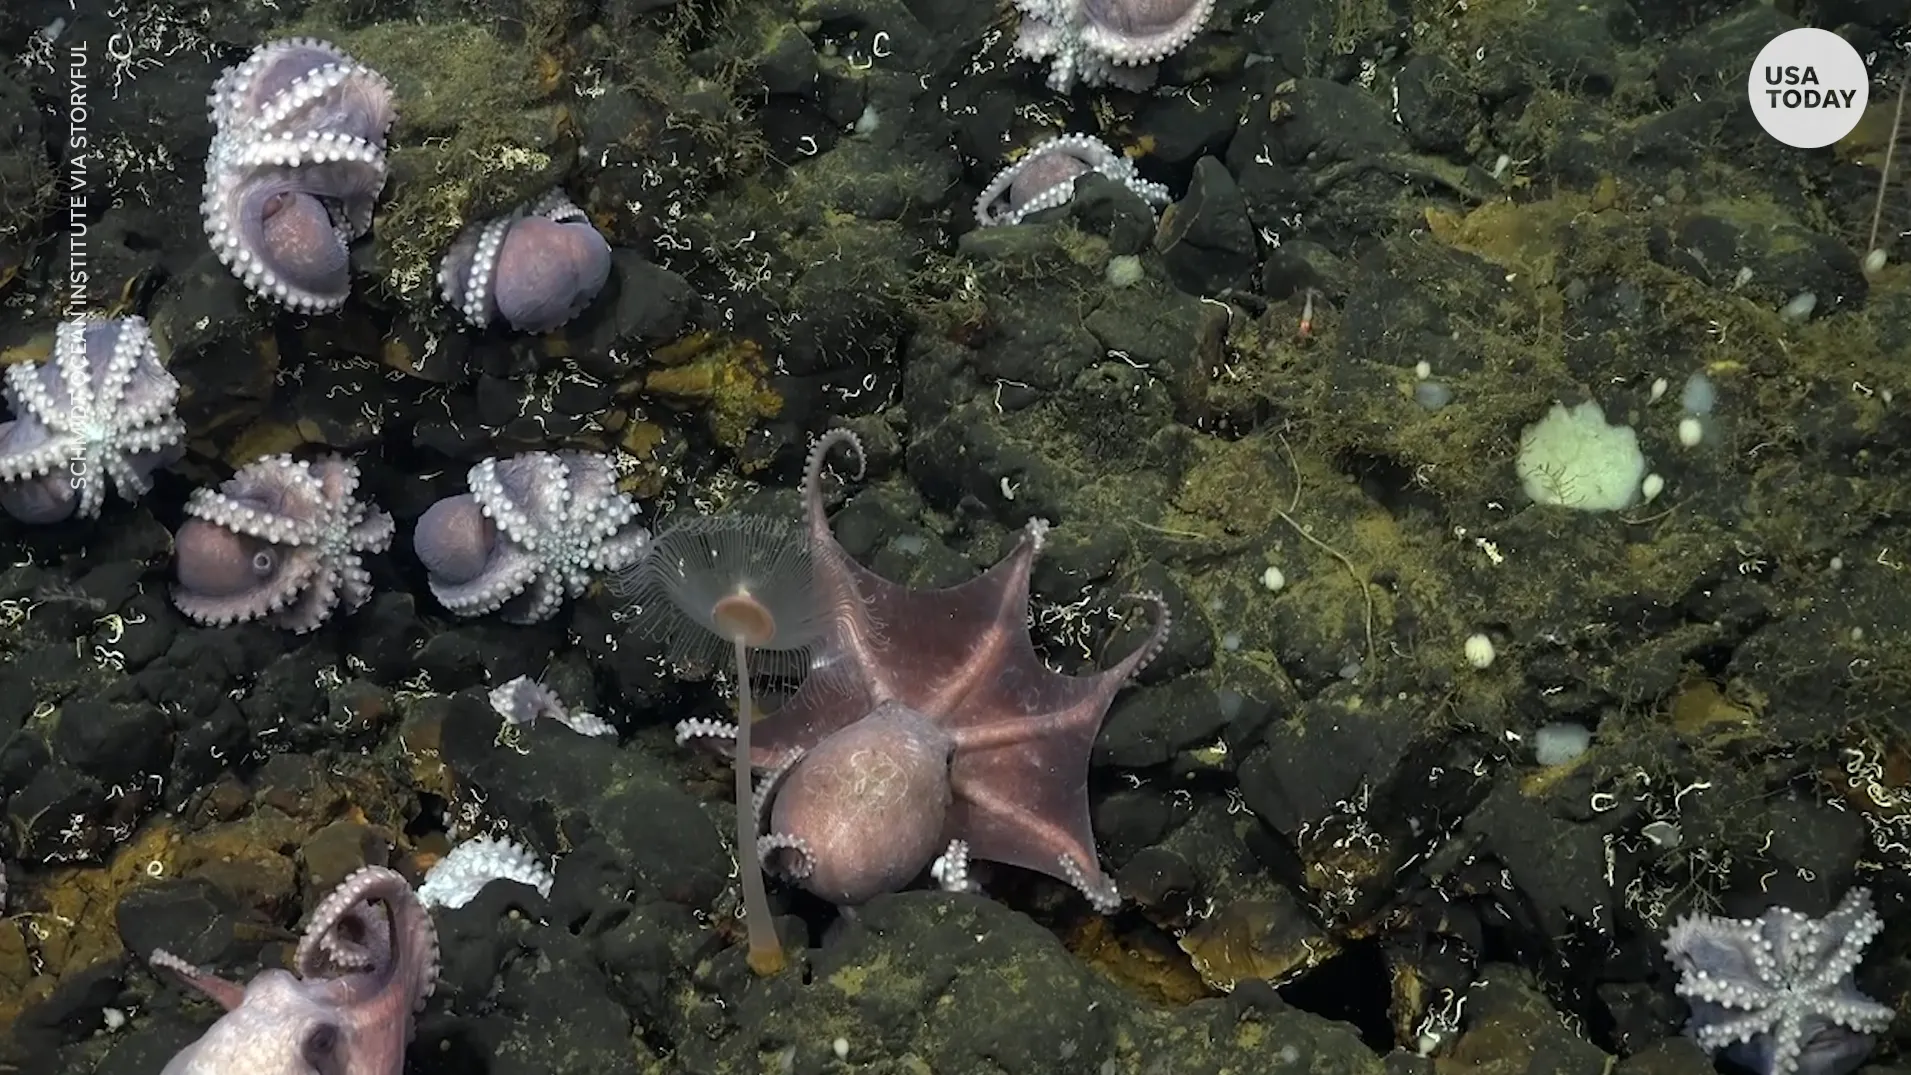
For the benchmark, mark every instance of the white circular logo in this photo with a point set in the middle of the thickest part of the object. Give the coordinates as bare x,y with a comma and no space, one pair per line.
1808,88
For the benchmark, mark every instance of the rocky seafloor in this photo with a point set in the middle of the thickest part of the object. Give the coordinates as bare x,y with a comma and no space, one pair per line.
1339,850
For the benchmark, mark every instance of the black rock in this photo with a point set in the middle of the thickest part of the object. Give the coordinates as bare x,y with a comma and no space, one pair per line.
1205,239
1436,106
188,917
1149,725
644,304
1101,206
474,941
114,743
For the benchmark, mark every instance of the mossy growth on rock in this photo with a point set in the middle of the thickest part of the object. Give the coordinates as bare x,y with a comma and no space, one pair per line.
723,377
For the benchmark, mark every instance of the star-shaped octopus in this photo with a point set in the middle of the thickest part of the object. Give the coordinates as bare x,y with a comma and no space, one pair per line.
928,730
1776,993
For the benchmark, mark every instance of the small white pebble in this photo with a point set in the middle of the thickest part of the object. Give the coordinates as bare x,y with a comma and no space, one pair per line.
1479,651
1799,310
1663,834
1560,742
1857,634
1651,488
1691,431
1837,563
1874,261
1273,580
840,1047
1659,385
113,1018
1422,369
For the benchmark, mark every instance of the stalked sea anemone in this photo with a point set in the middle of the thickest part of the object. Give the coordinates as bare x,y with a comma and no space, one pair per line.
736,586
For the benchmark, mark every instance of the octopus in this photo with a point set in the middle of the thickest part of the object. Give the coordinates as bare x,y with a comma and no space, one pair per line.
928,732
1045,179
102,406
523,700
536,267
533,531
296,164
1106,42
366,963
282,540
1776,994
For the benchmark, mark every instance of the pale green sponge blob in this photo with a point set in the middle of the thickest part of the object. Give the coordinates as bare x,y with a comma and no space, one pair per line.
1573,459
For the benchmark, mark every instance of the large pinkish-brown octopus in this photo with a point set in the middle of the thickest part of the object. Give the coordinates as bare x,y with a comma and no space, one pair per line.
928,723
367,961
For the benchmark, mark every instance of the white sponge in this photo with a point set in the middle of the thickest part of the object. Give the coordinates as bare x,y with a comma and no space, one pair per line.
1571,458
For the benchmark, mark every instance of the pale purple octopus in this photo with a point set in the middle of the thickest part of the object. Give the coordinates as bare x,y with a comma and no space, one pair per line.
533,531
929,723
1776,993
537,266
280,540
296,164
1045,178
367,962
100,407
1106,42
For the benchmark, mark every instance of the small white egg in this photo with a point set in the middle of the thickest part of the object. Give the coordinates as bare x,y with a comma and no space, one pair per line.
1480,651
1691,431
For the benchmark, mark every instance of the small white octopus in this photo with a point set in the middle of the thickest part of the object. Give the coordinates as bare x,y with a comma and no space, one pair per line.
456,879
1045,178
531,532
524,700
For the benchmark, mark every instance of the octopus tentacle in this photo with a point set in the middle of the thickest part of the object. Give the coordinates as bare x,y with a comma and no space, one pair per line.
789,856
410,945
227,994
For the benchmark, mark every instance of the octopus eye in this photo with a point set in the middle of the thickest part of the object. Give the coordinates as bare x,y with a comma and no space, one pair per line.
264,562
320,1048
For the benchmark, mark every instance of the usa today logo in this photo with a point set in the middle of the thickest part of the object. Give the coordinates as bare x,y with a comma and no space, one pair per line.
1808,88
